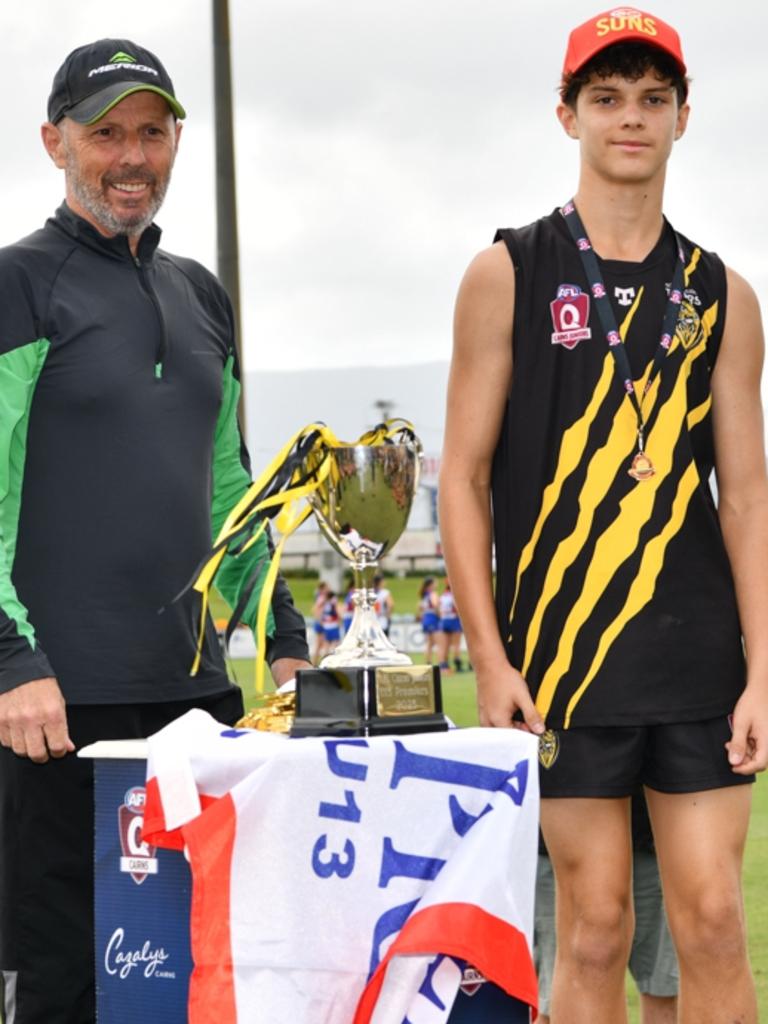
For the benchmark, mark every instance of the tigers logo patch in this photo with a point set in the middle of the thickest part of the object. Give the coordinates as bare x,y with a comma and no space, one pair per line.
689,329
549,748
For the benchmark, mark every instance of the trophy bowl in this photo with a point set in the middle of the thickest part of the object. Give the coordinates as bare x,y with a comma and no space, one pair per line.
362,508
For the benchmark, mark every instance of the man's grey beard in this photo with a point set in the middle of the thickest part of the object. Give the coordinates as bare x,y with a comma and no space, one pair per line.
92,199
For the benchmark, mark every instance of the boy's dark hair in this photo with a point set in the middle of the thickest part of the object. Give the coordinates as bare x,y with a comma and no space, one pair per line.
627,60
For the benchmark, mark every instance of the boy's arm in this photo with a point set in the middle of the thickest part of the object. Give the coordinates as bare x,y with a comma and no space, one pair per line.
480,377
743,509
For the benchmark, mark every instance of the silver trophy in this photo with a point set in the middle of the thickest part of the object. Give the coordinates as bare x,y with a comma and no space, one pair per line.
366,686
363,508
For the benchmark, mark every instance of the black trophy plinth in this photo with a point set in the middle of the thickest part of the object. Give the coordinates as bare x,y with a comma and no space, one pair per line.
368,701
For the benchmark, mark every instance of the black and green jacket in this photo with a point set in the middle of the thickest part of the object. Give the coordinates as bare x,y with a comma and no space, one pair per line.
120,456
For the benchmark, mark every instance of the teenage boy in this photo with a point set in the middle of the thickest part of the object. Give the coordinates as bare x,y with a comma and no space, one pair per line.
603,366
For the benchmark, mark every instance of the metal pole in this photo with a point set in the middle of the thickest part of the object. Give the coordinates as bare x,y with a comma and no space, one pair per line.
228,260
385,407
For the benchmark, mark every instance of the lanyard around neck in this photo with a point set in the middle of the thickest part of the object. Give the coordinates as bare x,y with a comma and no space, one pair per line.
641,467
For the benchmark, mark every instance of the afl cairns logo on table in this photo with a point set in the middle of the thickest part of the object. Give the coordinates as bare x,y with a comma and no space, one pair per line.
138,859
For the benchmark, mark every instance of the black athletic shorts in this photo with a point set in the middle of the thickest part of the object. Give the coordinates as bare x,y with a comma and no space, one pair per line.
612,761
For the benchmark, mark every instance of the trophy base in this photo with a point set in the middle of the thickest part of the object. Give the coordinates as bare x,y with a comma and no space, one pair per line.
364,657
365,645
368,701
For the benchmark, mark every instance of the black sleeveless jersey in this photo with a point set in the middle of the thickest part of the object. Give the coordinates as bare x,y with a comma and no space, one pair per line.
615,597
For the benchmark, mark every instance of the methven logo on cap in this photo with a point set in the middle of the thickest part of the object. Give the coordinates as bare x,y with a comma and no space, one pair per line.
122,60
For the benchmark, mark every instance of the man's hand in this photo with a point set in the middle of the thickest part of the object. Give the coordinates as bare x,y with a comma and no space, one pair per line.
748,745
284,669
33,721
501,692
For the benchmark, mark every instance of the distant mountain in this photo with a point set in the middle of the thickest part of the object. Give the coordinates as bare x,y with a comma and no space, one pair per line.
280,403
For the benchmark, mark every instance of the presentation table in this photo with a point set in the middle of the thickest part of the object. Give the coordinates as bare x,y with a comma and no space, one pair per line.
357,881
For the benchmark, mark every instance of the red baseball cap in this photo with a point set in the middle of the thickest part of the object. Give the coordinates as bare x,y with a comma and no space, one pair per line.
616,26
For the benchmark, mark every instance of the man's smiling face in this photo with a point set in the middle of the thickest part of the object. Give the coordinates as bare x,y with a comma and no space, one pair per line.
117,170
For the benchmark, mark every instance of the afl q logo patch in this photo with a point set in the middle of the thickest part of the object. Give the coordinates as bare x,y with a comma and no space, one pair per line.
549,748
138,858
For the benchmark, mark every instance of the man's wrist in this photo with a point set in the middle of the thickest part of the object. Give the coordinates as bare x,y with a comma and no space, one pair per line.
283,669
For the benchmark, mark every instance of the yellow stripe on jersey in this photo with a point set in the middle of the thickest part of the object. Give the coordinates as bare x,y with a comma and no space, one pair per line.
699,413
572,450
708,321
644,583
620,539
690,269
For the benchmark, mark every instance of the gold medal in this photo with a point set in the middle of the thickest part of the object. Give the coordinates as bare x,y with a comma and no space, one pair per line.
642,467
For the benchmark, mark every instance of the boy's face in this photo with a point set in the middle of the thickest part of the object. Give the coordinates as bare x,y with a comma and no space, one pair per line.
625,129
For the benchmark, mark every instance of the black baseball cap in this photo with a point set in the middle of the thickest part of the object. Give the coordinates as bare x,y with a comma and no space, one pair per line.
97,76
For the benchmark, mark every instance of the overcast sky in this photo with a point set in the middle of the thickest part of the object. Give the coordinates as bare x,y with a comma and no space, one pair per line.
379,144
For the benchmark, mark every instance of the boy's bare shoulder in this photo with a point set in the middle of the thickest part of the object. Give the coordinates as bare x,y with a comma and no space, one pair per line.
489,273
740,291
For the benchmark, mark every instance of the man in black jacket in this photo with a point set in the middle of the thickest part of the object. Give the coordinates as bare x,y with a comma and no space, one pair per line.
120,456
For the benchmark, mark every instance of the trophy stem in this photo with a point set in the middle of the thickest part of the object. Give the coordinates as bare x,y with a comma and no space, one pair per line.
365,595
365,643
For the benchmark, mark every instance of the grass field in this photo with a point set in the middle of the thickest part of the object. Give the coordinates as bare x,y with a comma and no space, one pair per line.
459,700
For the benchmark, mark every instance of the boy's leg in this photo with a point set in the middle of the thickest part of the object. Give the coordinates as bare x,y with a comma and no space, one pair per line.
589,843
700,841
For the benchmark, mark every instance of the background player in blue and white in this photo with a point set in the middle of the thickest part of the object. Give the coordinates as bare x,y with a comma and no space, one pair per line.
428,617
331,621
348,610
383,603
319,646
450,630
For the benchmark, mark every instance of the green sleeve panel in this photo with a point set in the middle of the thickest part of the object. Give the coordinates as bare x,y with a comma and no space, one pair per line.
19,371
231,480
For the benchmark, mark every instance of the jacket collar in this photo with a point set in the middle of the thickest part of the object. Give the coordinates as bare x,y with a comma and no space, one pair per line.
116,246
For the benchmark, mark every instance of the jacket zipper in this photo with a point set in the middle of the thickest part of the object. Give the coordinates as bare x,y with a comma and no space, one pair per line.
161,353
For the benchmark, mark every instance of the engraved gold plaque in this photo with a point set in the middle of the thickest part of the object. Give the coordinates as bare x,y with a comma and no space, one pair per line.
405,690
